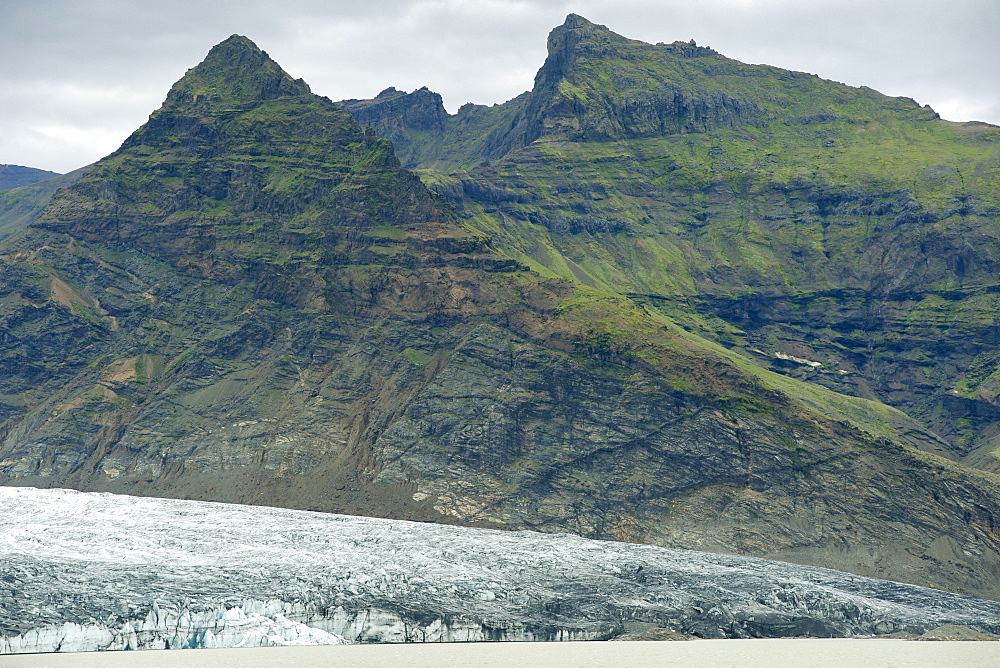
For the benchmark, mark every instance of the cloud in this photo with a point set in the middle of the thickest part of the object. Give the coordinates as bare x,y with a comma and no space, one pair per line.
95,69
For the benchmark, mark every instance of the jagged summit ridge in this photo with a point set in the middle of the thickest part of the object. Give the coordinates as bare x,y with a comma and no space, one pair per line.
235,70
576,30
597,86
304,324
239,154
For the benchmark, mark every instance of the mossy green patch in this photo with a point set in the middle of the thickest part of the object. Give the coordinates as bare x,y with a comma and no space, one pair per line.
418,357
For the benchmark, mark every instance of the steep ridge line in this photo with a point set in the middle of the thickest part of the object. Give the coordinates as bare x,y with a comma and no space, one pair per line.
261,292
770,210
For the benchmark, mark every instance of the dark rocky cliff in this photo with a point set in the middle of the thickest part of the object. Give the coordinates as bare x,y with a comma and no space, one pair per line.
252,301
829,233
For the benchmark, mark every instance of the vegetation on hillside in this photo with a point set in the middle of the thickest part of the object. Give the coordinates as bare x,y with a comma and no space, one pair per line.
252,301
782,215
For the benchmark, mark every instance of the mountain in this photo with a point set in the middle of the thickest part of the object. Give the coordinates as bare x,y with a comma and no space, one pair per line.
252,301
826,232
14,176
187,574
26,192
20,206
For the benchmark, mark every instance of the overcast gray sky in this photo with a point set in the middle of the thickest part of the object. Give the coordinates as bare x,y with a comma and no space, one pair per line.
78,76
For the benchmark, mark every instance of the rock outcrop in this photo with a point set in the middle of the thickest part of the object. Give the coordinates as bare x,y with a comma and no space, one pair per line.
782,215
252,301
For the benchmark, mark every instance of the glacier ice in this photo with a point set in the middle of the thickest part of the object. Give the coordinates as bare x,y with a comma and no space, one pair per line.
88,571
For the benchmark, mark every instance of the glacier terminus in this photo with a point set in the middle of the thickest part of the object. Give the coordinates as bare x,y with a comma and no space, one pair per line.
93,571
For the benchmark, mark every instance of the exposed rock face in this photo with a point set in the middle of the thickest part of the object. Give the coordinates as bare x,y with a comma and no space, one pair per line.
567,102
783,215
182,574
397,116
253,302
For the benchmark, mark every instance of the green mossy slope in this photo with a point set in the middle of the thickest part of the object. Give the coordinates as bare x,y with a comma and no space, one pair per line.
253,302
827,232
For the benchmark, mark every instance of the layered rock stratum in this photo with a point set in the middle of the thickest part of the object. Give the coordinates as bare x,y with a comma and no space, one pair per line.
827,232
252,301
86,572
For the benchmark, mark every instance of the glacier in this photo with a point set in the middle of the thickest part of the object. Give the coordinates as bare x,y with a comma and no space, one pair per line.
92,571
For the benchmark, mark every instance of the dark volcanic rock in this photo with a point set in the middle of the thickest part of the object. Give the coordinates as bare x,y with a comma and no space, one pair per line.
782,215
397,116
253,302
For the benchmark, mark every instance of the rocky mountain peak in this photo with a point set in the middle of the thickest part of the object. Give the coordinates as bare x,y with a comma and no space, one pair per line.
241,167
394,114
235,71
577,24
598,85
574,35
423,109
